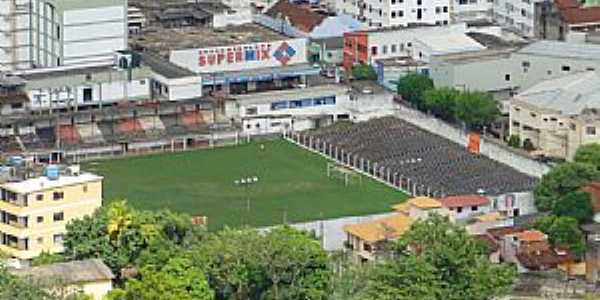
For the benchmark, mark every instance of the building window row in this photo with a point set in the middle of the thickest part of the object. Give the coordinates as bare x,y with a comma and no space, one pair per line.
303,103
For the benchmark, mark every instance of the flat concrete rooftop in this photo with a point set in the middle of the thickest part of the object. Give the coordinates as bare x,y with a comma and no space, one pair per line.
163,40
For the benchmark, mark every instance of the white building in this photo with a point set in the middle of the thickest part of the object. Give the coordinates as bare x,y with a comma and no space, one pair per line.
389,13
508,71
519,15
310,107
470,10
46,33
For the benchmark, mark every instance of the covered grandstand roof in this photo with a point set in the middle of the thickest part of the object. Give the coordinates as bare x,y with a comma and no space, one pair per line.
425,158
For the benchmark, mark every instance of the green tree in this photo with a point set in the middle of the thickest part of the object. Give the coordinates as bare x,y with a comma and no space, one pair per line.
589,154
476,109
179,279
441,102
412,87
577,205
562,231
450,265
514,141
364,72
563,179
230,261
295,265
528,145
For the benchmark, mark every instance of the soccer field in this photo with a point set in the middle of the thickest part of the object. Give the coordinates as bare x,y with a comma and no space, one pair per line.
292,185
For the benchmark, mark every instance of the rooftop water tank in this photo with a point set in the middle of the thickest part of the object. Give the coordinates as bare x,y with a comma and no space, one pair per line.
52,172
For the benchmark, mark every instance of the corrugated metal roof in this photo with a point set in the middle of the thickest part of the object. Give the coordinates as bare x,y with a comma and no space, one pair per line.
563,49
568,95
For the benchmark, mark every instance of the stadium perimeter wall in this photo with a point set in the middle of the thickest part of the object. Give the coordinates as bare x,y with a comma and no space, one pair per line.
515,158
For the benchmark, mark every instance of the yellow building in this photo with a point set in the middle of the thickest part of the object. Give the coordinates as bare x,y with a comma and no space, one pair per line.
90,277
367,240
34,211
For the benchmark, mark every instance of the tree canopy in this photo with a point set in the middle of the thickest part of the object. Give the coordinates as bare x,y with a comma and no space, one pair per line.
364,72
476,109
562,180
589,154
438,260
441,102
412,87
562,231
577,205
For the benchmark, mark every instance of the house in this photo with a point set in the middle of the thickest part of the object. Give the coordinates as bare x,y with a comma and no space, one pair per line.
91,277
569,20
558,115
592,253
493,249
466,206
530,250
367,240
34,211
419,208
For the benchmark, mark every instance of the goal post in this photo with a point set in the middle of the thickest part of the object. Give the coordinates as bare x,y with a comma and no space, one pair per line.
343,173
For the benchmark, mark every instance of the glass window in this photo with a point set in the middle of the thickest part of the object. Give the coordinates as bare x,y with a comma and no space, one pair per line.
279,105
58,195
59,216
590,130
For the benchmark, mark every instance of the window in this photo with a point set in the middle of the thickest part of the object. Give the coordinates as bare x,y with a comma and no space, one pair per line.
533,115
463,2
142,82
419,2
87,94
445,9
590,130
409,44
251,111
523,13
59,216
384,49
459,210
85,188
393,14
419,14
590,69
39,197
374,50
507,77
566,68
40,240
393,2
438,9
474,208
526,64
58,239
58,195
40,219
400,13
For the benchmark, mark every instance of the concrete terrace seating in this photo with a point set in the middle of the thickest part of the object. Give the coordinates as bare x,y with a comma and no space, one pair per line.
425,158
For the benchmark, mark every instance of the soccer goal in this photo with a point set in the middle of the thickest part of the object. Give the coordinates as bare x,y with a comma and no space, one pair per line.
344,174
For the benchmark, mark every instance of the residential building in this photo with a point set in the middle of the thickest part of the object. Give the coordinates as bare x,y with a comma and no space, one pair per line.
558,115
592,252
368,240
34,211
46,33
419,43
466,206
471,11
395,13
420,208
530,250
568,20
13,98
518,15
90,277
593,188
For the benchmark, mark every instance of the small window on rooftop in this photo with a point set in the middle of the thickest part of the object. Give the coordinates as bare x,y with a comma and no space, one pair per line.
507,77
566,68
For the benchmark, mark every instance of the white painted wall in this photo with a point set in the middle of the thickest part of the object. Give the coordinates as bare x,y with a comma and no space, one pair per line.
190,58
391,13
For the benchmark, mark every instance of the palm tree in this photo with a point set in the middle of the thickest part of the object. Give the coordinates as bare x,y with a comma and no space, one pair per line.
120,218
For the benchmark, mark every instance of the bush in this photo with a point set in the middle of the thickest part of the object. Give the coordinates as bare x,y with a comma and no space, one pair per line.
364,72
514,141
412,87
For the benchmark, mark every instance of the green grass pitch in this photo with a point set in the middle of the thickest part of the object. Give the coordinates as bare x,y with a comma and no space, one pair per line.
293,185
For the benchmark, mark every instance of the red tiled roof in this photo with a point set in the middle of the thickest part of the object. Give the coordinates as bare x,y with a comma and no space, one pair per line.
499,232
543,260
301,17
531,236
464,200
572,12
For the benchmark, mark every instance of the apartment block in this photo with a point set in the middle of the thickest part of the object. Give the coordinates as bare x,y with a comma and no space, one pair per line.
391,13
50,33
35,211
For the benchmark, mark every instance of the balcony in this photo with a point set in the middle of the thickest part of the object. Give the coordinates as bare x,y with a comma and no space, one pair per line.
21,224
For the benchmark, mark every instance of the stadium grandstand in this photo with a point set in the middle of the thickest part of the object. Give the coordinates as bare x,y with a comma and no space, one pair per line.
421,157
